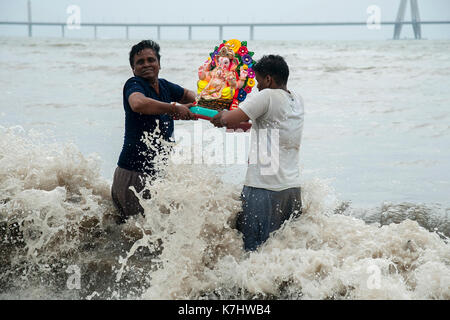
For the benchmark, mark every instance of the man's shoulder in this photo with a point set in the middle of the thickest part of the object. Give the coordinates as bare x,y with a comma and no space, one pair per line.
281,95
265,95
270,91
134,80
257,96
134,84
175,90
298,100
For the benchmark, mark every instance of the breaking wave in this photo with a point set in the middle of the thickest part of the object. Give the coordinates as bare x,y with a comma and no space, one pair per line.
57,222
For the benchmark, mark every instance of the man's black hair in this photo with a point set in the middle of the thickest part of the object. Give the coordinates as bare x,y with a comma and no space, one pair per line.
144,44
275,66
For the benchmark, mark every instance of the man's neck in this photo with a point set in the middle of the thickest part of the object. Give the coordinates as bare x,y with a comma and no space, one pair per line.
281,87
275,85
154,84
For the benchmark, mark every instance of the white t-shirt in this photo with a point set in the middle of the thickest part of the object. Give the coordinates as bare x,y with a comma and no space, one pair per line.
277,125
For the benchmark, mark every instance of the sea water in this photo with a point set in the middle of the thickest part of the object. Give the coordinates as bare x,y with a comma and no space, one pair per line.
374,163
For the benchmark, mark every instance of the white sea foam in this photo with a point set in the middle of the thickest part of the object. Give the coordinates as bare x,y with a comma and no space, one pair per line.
186,245
317,256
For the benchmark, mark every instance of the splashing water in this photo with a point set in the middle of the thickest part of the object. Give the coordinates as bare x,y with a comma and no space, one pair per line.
56,217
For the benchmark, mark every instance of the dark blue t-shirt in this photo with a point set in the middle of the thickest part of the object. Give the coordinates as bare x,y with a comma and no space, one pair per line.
135,155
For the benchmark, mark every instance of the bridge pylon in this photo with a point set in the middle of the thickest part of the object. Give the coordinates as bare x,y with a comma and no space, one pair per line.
415,19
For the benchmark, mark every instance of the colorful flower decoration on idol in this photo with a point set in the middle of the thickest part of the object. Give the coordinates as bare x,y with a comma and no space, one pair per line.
243,51
247,59
213,54
224,79
235,44
242,95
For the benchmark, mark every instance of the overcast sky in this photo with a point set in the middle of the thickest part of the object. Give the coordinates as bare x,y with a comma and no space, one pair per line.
150,11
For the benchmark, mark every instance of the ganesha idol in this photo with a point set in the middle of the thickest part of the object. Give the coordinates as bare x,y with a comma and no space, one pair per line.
225,78
218,76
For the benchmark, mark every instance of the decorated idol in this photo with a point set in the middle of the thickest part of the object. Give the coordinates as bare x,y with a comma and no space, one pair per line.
226,77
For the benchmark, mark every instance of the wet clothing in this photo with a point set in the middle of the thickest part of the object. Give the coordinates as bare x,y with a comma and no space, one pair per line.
124,198
137,160
277,126
264,211
271,193
135,155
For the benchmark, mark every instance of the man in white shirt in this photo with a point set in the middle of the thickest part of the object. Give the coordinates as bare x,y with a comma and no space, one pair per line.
271,192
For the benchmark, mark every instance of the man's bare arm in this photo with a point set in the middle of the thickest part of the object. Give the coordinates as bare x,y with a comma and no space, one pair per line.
188,97
229,119
141,104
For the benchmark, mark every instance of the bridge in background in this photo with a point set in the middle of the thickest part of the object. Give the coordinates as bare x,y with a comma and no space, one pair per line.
398,24
220,26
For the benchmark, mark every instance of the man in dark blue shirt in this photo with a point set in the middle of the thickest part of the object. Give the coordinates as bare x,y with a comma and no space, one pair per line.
148,104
